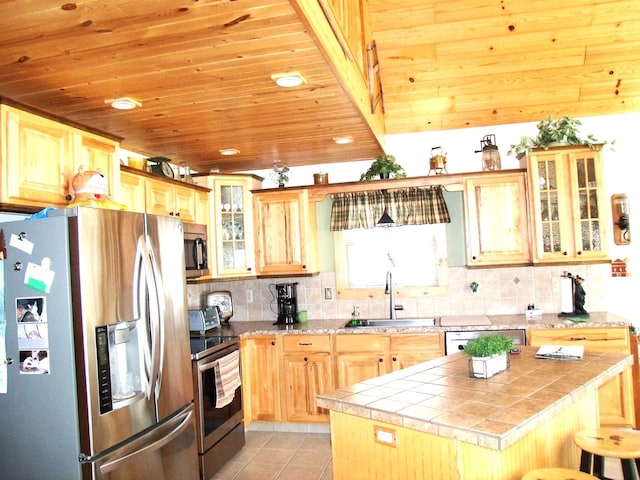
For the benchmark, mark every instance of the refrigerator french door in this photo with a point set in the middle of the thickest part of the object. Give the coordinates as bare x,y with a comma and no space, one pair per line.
112,395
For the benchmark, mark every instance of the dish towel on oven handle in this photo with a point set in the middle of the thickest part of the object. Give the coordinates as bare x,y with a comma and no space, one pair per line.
227,374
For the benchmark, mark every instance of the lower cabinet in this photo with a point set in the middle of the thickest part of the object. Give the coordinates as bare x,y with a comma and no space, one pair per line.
306,372
359,357
261,391
616,398
407,350
282,374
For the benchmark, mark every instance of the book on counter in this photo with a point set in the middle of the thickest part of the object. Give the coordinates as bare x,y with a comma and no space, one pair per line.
561,352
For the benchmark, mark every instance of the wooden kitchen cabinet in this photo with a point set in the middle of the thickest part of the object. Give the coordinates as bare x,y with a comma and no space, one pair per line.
306,371
568,205
285,232
497,224
359,357
40,156
166,198
231,221
616,397
260,378
407,350
132,192
139,192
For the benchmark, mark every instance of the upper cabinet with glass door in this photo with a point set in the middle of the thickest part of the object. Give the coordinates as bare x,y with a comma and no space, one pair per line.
231,219
570,215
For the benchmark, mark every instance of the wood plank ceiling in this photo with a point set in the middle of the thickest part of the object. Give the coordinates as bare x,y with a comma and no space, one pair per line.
201,69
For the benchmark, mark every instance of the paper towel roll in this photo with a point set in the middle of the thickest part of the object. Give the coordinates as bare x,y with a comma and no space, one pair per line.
566,294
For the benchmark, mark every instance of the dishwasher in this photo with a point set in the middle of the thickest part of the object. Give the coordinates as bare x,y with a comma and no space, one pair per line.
455,340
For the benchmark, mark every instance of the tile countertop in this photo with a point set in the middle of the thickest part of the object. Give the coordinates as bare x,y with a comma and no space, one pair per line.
439,397
498,322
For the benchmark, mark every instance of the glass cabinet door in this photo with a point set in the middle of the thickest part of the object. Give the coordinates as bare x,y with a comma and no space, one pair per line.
550,208
232,233
589,226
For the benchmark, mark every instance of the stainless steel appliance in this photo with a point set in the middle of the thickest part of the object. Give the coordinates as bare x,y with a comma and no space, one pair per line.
195,250
204,319
287,299
220,427
223,300
454,341
103,389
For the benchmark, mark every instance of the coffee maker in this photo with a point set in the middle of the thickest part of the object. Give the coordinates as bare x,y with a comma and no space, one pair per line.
287,303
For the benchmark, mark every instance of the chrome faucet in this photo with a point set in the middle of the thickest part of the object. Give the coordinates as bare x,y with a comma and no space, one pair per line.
388,290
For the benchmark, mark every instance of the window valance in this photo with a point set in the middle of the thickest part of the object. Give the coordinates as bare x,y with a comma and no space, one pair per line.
409,206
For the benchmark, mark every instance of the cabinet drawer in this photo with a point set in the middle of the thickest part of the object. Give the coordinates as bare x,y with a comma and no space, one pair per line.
360,343
306,343
612,340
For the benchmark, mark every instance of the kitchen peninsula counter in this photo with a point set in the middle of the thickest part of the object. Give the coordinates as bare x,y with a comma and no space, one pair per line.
434,421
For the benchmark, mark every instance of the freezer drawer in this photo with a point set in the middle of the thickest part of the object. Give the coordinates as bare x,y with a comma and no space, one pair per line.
166,452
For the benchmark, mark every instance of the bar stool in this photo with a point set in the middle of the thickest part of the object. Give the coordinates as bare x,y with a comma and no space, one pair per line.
557,474
620,443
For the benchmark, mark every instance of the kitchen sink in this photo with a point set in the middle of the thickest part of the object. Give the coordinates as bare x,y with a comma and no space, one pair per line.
401,322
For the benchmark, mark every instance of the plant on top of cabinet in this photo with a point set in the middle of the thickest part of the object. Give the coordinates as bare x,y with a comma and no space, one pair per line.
563,131
384,166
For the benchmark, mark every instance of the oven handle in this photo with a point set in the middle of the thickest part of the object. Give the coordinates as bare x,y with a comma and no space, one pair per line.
209,365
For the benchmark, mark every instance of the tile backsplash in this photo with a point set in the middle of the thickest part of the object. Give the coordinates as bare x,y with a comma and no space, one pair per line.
500,291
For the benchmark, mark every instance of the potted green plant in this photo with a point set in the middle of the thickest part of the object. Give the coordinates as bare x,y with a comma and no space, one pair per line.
489,355
384,166
563,131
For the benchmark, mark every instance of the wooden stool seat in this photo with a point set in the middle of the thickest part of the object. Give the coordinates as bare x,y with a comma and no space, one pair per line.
597,443
557,474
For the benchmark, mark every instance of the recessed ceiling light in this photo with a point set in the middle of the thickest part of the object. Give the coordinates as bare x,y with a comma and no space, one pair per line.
343,140
288,80
229,151
123,103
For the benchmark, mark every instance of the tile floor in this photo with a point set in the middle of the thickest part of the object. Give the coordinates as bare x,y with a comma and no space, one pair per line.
280,456
271,455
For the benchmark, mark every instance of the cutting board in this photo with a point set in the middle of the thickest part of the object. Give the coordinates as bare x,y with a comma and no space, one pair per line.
464,320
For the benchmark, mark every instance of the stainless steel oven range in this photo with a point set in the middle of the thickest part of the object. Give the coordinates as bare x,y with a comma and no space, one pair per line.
220,428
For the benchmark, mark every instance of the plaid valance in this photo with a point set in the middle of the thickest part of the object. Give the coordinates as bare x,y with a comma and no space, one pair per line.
409,206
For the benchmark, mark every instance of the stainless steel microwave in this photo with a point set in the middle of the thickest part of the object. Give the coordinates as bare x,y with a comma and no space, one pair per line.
195,250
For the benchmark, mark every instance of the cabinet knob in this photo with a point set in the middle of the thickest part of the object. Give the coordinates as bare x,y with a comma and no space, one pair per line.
395,359
304,266
273,342
381,360
565,254
579,253
306,359
474,258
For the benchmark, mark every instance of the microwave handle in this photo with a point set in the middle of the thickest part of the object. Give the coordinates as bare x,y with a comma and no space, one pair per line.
199,253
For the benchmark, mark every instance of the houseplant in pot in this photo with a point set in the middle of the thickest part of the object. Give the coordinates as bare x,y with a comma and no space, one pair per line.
384,166
489,355
563,131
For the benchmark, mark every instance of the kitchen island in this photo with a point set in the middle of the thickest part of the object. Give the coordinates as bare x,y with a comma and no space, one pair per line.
432,421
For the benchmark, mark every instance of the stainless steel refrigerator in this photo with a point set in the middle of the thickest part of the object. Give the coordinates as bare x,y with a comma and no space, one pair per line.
98,372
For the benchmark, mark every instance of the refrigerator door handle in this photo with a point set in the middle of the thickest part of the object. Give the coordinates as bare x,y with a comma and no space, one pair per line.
158,318
140,307
183,421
